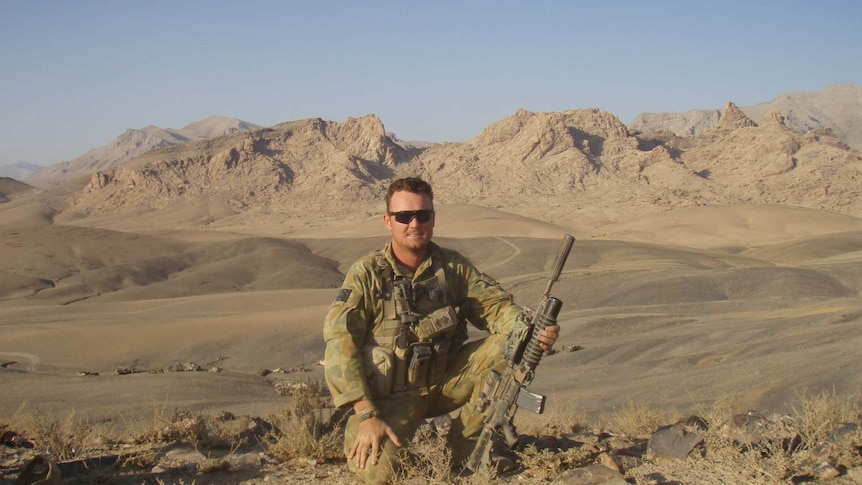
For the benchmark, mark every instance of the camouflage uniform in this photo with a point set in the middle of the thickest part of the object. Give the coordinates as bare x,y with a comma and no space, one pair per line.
361,328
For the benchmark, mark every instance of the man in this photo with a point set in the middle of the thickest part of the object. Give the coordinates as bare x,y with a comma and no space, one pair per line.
396,334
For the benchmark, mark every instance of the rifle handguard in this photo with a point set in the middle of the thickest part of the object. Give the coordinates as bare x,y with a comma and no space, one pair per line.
533,353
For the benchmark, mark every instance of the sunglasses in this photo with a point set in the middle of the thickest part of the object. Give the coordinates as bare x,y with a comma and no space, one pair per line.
404,217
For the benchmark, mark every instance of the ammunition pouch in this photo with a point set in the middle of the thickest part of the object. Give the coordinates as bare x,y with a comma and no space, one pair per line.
437,323
379,365
420,364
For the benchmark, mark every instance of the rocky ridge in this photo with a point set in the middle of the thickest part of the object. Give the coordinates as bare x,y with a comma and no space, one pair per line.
577,157
299,165
835,108
133,143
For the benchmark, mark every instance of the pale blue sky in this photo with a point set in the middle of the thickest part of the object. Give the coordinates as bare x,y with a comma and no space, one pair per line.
75,74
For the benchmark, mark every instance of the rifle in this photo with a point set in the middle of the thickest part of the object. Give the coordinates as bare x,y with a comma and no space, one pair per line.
504,393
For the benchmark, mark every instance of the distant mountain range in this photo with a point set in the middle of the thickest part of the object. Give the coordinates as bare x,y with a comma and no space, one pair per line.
133,143
572,159
19,170
838,108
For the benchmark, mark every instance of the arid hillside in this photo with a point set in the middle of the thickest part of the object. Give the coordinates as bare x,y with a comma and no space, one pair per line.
574,159
717,270
835,108
133,143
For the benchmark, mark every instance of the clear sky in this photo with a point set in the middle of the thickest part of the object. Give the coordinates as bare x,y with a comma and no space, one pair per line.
76,74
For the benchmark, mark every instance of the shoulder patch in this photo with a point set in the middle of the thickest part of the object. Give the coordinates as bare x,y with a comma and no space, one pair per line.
343,295
488,280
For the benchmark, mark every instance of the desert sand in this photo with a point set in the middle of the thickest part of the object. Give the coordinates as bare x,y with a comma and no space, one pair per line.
673,309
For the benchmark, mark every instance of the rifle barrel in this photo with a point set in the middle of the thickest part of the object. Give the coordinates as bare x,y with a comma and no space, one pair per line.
565,249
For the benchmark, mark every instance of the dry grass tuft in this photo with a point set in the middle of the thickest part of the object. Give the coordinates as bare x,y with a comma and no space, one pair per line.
306,429
636,419
555,421
800,447
428,459
819,440
549,464
63,438
817,416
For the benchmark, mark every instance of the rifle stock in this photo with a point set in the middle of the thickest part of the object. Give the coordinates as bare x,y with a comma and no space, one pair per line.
504,393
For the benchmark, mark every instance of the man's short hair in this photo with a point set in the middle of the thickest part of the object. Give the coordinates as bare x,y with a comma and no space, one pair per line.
409,184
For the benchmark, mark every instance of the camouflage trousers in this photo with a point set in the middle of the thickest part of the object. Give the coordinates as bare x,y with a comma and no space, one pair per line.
405,411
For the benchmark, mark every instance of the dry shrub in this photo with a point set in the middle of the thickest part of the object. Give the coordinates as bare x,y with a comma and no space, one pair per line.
790,448
213,465
549,464
817,415
428,459
63,439
306,428
636,419
555,421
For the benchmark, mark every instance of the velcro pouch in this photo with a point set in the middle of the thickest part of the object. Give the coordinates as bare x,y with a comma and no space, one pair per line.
438,322
379,370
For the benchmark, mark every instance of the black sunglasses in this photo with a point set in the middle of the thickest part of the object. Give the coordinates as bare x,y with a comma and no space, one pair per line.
404,217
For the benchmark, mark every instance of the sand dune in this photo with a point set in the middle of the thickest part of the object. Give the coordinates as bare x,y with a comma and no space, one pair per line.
674,309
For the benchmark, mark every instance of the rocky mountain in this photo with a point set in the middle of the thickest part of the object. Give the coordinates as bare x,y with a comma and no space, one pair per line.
19,170
301,165
837,107
134,143
572,158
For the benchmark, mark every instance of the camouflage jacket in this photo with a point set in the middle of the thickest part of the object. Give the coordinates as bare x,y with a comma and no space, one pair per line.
359,308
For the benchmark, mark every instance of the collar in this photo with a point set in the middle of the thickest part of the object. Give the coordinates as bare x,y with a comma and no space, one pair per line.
433,251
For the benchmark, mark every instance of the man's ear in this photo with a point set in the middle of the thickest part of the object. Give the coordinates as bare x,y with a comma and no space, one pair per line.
387,221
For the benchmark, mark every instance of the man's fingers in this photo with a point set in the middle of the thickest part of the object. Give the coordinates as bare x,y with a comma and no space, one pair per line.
374,449
393,437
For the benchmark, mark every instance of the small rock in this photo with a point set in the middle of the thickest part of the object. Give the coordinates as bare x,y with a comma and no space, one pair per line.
673,442
826,472
611,461
591,475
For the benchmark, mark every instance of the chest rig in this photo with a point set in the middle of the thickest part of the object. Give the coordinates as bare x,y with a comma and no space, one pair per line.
415,335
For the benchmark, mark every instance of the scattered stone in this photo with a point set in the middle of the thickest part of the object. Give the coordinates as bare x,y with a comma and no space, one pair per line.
673,442
591,475
626,447
225,416
826,471
745,428
122,371
572,348
83,466
215,369
289,388
185,367
695,422
87,373
611,461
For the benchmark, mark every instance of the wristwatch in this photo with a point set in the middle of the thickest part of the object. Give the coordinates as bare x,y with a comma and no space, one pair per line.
368,414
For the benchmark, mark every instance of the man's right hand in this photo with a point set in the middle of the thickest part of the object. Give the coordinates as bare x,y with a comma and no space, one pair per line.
369,441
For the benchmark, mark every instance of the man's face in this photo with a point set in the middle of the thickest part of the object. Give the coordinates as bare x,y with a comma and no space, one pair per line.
415,236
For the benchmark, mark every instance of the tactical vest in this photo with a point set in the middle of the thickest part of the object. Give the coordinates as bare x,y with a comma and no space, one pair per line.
400,359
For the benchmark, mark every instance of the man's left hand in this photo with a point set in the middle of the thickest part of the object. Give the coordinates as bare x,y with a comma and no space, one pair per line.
548,335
